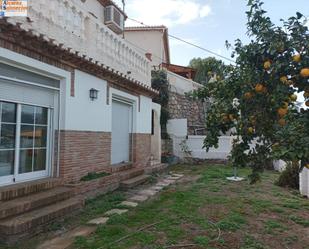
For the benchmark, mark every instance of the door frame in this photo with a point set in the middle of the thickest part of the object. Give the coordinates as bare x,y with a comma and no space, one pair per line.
19,178
30,176
36,174
131,104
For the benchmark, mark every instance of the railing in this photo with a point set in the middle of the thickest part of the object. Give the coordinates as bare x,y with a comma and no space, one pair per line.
69,24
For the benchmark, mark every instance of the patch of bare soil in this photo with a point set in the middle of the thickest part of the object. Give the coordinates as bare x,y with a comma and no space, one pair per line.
215,212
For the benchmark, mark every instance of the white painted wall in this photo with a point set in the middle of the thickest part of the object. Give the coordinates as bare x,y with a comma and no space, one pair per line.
94,7
181,85
279,165
304,182
195,145
80,113
71,24
83,114
148,42
177,127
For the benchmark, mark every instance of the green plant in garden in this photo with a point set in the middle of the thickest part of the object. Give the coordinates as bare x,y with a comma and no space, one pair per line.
209,67
160,82
269,70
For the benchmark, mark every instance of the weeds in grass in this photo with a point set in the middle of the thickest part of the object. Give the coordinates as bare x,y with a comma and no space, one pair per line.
201,240
299,220
272,227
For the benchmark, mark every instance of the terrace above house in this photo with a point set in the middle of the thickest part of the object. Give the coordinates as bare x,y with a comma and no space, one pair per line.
91,29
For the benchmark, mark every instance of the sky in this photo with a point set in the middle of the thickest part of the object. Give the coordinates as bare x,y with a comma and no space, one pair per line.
207,23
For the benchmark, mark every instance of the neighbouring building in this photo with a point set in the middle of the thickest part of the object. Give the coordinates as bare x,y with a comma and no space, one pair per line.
75,98
154,41
186,124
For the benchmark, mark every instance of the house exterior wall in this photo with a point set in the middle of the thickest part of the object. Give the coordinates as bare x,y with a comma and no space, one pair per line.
181,85
85,125
77,27
92,6
149,42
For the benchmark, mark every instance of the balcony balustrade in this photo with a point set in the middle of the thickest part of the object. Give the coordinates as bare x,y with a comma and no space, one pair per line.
68,23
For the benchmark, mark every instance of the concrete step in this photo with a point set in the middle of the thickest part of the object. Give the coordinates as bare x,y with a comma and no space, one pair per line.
133,182
128,174
156,168
27,224
34,201
27,188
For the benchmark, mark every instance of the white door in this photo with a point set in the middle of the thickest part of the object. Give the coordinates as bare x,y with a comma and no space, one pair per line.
121,132
26,114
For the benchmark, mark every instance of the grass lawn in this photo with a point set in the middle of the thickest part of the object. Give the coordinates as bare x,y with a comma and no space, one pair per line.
249,216
203,209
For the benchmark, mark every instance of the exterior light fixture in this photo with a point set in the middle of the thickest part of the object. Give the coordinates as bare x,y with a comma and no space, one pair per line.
93,94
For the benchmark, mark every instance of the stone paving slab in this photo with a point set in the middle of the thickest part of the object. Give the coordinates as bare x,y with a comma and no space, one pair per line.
129,204
169,181
173,178
98,221
63,242
116,211
156,188
178,175
162,184
147,192
138,198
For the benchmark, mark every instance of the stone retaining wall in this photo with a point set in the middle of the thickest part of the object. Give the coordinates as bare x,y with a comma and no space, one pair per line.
181,106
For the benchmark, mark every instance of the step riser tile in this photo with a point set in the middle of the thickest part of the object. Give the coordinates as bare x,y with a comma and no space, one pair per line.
15,229
12,192
28,206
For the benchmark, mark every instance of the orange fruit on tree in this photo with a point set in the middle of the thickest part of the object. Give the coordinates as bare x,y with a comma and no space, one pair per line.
283,79
282,122
282,111
267,65
250,130
259,88
307,103
248,95
304,73
306,94
297,58
293,97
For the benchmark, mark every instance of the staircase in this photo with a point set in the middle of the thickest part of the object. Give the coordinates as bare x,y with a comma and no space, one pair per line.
26,209
133,182
137,176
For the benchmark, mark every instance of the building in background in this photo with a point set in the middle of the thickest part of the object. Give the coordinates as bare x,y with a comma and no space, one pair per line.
185,113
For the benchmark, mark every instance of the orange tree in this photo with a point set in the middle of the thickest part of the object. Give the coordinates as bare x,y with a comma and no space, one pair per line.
269,71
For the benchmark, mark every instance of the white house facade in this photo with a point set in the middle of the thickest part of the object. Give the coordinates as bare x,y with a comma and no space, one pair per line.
75,98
